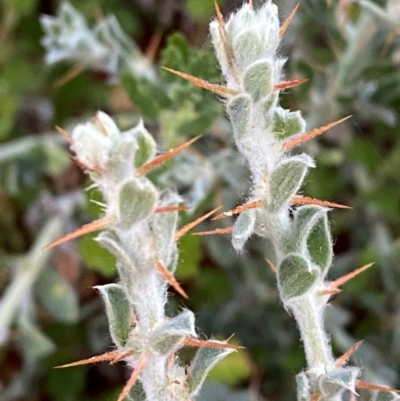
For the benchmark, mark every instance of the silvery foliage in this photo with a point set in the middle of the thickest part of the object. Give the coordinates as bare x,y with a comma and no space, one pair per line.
246,50
105,47
141,237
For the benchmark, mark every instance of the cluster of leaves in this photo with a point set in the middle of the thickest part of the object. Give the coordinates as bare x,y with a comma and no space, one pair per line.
349,54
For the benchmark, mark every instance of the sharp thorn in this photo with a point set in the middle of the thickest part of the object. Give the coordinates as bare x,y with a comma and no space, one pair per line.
304,200
85,229
147,167
342,280
193,224
287,22
296,141
168,276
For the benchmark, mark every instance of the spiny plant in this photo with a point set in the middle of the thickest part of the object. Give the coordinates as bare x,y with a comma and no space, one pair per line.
139,228
297,226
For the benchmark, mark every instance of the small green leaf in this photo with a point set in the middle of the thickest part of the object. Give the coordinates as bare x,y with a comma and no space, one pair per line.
58,296
304,220
295,277
319,243
247,48
203,362
146,143
243,229
286,180
118,312
287,123
137,392
166,338
257,80
385,396
239,109
137,199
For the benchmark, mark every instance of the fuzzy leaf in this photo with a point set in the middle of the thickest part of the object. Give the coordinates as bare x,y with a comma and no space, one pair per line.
386,396
257,80
303,387
332,384
118,312
122,158
269,105
287,123
319,243
247,48
239,109
167,337
137,392
146,143
295,277
110,241
163,227
243,229
203,362
137,200
304,219
286,179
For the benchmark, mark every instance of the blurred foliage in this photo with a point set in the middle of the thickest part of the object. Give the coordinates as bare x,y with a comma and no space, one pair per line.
350,53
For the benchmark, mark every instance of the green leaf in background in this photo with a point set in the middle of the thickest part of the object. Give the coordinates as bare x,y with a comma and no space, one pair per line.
204,108
201,10
149,97
189,257
232,370
34,343
8,107
66,384
95,256
58,296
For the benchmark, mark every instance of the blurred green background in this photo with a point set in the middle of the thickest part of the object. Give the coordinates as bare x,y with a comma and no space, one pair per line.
49,313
